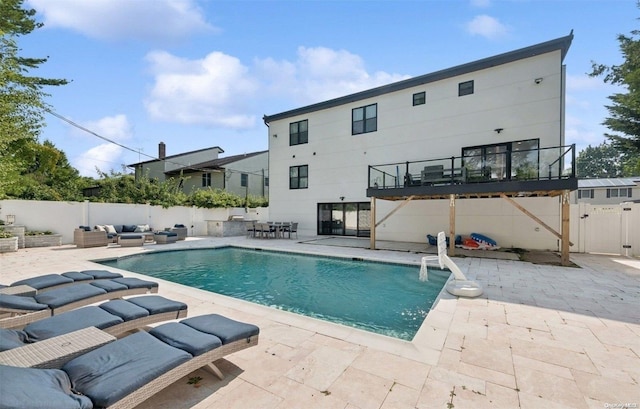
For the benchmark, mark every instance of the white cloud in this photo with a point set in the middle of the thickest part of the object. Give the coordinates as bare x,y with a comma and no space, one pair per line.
213,90
487,26
321,73
105,156
158,21
219,90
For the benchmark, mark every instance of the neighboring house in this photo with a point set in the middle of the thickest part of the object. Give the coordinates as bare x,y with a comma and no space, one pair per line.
245,174
486,129
607,190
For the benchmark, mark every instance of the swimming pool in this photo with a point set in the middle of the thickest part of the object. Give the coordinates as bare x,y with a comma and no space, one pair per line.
379,297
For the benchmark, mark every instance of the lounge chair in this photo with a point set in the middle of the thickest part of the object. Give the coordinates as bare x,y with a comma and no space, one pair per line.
124,373
48,282
115,317
22,310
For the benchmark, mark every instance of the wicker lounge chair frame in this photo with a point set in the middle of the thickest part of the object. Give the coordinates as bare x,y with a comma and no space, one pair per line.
19,318
206,360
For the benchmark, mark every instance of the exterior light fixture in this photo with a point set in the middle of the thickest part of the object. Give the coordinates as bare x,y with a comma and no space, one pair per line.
498,130
538,80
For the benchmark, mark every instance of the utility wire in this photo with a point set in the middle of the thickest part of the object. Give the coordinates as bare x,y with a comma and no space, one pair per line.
76,125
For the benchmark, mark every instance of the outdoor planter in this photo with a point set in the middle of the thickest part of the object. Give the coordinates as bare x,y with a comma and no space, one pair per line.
42,240
9,244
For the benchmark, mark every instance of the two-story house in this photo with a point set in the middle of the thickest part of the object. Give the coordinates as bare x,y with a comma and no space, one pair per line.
244,174
487,136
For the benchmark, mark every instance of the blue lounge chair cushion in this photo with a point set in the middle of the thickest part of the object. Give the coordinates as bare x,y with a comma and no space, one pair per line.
224,328
70,321
44,281
113,371
18,302
77,276
109,285
186,338
66,295
156,304
29,388
11,338
132,282
124,309
102,274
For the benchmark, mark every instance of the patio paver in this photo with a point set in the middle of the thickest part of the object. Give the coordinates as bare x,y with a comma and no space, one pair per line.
541,336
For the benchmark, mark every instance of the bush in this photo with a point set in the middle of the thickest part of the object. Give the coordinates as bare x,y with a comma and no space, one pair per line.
37,233
5,234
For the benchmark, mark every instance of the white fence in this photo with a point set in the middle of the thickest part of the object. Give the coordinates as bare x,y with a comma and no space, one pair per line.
612,229
64,217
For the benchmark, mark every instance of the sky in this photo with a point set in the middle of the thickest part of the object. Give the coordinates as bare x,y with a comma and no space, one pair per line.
201,73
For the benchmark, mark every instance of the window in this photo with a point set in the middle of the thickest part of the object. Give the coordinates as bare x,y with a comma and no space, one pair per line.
244,179
299,177
465,88
266,181
419,98
298,132
364,119
621,192
585,193
517,160
206,179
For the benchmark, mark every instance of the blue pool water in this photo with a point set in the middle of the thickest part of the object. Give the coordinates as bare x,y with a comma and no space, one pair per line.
378,297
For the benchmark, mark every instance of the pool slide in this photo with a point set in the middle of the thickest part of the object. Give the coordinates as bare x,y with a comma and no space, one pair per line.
459,285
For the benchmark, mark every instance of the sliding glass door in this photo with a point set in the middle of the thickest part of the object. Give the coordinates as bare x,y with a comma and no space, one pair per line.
344,219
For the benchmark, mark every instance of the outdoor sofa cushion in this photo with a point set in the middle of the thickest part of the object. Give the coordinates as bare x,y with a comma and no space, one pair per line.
21,387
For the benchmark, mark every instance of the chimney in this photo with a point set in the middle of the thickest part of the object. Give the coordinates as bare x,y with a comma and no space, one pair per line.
162,150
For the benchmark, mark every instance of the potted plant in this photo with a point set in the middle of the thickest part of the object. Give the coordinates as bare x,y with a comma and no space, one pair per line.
46,238
8,241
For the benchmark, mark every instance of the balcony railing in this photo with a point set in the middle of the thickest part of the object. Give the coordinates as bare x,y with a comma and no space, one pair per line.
554,163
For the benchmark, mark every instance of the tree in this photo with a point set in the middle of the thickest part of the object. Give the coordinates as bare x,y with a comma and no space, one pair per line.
22,97
602,161
624,110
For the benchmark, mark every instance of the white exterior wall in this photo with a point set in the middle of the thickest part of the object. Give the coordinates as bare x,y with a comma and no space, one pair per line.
505,96
257,169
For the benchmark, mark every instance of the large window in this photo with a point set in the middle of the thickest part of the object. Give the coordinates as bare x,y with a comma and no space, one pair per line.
510,160
364,119
206,179
298,132
344,219
299,177
465,88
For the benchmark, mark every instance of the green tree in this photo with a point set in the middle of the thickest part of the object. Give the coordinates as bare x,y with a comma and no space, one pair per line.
602,161
22,97
624,111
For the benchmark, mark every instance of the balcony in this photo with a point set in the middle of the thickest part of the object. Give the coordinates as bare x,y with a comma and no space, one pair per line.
521,173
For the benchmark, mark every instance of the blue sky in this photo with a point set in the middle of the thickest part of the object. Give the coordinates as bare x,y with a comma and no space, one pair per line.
202,73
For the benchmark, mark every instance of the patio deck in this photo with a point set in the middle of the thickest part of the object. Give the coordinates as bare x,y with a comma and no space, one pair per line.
541,336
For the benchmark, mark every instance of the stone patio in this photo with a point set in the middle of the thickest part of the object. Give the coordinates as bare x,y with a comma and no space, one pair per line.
541,336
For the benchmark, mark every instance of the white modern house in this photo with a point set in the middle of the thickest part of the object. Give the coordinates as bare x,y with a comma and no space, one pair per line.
486,136
607,190
244,174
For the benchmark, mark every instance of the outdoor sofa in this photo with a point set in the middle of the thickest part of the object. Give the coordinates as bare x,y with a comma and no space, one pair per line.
125,372
17,311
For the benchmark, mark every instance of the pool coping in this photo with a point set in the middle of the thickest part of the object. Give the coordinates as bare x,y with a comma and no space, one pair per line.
425,347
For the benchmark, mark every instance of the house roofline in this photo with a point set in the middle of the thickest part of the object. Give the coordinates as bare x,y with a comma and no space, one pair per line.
562,44
176,156
215,163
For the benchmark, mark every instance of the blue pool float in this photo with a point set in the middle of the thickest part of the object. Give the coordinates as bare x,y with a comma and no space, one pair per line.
482,239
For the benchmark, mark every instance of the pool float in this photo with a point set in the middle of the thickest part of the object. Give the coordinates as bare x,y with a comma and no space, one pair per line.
482,239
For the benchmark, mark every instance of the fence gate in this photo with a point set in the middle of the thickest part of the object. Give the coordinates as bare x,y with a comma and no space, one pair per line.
603,228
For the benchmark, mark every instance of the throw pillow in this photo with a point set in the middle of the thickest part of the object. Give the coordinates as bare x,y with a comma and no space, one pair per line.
100,227
110,229
141,228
